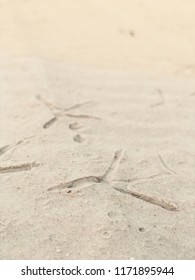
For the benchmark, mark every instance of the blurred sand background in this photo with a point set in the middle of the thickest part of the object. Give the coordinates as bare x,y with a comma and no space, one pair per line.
97,150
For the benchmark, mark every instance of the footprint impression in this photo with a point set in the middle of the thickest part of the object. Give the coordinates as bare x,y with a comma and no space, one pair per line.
59,112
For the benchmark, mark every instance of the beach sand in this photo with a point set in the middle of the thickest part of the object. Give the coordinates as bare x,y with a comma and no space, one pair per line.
97,116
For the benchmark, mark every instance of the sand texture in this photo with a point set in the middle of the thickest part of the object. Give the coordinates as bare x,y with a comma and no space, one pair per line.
97,129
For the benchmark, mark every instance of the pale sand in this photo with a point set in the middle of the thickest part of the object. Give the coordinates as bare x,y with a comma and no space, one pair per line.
97,150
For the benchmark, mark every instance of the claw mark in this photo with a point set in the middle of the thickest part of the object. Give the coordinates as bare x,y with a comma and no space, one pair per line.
113,166
82,116
18,167
49,104
139,180
60,112
84,181
170,206
6,148
79,105
165,165
87,181
50,122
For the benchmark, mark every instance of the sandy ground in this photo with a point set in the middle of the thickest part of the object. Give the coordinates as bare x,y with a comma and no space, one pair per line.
97,116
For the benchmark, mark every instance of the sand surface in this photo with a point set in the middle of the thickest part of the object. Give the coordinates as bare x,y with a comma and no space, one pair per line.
97,150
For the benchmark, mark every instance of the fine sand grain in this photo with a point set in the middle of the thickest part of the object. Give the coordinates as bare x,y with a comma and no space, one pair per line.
97,116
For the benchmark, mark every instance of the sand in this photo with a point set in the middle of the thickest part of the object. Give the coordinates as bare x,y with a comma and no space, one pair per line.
97,116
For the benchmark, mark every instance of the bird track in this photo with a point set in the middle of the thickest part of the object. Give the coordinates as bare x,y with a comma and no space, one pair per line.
60,112
168,205
108,176
7,148
18,167
88,180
